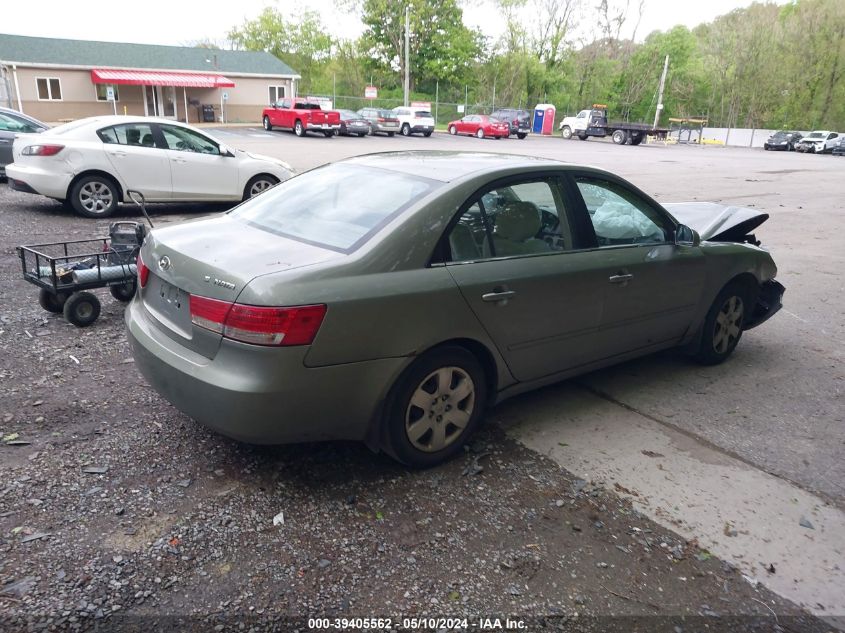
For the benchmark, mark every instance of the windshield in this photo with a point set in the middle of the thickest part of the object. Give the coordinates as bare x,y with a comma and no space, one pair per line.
339,206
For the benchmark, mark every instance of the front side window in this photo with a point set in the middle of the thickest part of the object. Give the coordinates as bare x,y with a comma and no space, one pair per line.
619,217
185,140
139,134
523,218
49,88
102,92
332,207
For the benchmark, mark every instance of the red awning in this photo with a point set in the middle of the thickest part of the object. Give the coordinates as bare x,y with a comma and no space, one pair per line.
159,78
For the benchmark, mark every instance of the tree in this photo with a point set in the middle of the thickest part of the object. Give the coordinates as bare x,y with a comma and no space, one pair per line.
441,47
303,44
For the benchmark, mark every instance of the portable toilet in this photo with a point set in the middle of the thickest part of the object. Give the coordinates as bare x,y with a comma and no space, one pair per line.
544,119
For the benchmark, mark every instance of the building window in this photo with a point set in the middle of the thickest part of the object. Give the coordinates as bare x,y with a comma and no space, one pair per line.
49,88
102,90
277,93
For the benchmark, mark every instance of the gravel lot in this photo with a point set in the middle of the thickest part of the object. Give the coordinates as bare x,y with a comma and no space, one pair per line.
119,513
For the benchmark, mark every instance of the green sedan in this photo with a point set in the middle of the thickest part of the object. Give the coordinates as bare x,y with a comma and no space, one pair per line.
392,298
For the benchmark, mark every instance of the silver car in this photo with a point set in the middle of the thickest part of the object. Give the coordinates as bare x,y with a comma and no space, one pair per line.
330,309
12,123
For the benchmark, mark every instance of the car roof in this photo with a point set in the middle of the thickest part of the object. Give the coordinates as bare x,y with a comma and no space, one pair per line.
19,113
448,166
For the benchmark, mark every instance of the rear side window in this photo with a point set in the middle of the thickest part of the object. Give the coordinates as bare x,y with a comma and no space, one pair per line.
140,134
339,207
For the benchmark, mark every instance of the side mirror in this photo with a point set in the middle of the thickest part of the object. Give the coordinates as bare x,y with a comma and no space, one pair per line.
225,151
685,236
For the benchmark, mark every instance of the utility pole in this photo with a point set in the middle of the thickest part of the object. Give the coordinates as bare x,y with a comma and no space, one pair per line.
407,55
660,92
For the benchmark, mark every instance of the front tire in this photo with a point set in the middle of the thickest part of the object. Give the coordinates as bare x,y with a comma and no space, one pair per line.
521,135
566,132
480,133
94,196
267,125
435,406
82,309
582,137
723,324
259,184
453,130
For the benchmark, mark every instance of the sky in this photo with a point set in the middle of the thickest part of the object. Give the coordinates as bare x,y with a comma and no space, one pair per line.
183,22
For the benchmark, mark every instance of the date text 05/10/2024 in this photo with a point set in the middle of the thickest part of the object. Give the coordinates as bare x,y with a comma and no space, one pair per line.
412,624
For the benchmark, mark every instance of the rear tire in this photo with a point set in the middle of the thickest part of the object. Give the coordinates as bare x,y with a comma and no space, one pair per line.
422,433
94,196
620,137
52,302
480,133
426,134
123,292
723,324
406,130
331,133
81,309
453,130
391,134
582,137
298,128
267,125
521,135
566,132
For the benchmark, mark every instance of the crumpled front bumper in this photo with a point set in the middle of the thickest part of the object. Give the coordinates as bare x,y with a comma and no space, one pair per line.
769,301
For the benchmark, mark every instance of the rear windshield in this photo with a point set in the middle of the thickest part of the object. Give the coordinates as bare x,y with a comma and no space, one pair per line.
387,114
423,114
338,207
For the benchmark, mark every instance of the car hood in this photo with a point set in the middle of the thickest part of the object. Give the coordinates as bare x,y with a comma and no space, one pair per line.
717,222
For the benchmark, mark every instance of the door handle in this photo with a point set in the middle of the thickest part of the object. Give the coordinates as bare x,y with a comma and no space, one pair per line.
118,153
501,295
179,160
620,278
5,141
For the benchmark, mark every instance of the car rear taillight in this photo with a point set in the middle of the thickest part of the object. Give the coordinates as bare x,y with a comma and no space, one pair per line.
42,150
258,325
516,121
143,271
380,120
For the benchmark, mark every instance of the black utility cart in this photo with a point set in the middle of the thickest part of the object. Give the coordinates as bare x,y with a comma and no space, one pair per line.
66,271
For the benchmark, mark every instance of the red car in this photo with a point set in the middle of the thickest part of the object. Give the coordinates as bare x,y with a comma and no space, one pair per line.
480,125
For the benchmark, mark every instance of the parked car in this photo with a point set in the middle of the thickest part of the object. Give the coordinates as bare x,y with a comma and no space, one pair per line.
301,116
353,123
818,142
479,125
13,123
381,121
413,120
839,148
783,140
460,280
519,121
91,164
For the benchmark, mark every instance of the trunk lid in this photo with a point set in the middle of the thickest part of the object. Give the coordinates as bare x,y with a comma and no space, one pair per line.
213,258
717,222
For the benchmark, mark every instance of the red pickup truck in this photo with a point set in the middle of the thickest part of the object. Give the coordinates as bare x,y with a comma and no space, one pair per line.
301,116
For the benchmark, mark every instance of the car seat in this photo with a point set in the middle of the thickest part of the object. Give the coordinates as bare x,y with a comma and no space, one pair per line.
133,136
148,140
462,244
517,225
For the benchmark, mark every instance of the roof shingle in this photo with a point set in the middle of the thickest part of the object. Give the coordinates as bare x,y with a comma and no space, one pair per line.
46,50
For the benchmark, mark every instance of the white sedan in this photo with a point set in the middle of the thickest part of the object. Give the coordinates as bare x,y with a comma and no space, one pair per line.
91,164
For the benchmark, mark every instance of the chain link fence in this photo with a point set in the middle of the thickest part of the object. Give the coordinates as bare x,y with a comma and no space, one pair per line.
442,111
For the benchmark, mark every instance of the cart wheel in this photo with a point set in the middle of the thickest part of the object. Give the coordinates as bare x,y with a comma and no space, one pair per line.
82,309
123,292
50,301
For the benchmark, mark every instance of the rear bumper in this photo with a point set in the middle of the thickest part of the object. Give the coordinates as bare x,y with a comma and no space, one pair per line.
769,302
422,128
40,181
322,127
258,394
384,129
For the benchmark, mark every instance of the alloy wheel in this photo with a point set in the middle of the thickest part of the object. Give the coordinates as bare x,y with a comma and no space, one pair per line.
440,408
95,197
258,186
728,325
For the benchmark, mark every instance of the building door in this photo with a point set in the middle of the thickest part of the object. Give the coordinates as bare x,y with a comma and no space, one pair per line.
167,101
